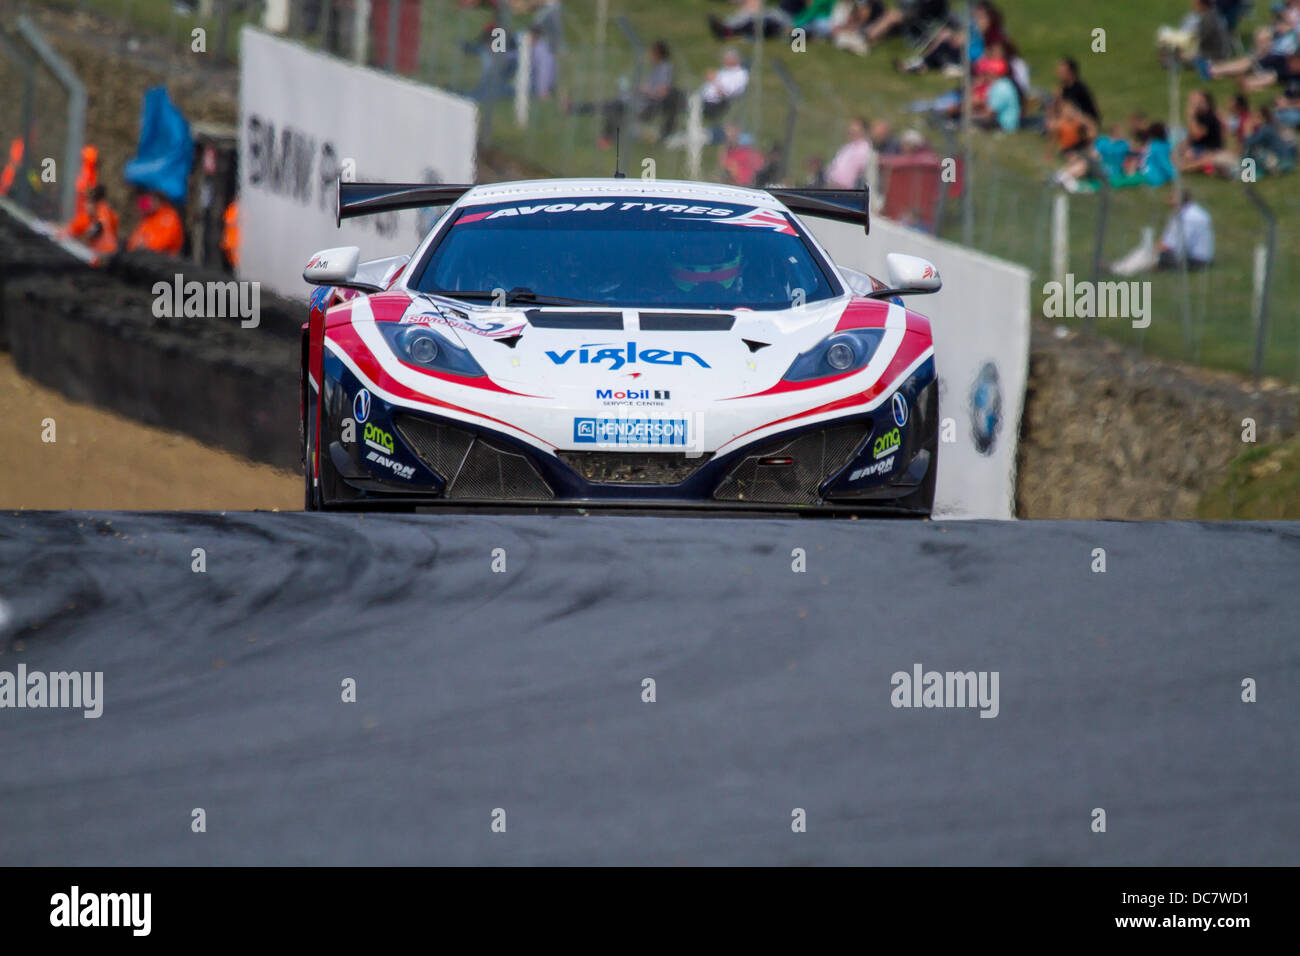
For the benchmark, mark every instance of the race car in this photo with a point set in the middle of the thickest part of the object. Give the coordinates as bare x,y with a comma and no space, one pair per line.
616,343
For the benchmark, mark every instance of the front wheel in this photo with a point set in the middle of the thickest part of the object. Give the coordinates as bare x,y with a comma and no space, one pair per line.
311,492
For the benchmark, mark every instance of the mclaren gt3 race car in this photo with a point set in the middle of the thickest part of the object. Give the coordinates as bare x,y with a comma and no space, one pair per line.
616,342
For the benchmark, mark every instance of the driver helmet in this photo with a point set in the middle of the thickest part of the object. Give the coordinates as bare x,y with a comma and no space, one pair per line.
707,260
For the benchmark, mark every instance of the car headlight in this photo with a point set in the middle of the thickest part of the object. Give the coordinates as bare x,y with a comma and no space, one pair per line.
836,354
422,346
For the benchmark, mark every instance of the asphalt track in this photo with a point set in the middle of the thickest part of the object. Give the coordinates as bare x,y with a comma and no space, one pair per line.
522,691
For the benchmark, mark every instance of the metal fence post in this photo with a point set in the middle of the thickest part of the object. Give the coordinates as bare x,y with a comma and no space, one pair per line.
1261,315
76,113
1060,236
793,98
1103,211
756,83
696,137
968,194
523,85
632,106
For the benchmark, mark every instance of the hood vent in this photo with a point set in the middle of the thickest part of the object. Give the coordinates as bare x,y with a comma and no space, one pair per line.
592,321
685,322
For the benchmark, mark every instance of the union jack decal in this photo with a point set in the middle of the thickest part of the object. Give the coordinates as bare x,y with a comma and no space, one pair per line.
761,219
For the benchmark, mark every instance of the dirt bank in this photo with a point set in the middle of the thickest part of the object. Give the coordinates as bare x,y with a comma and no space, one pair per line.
1110,433
102,460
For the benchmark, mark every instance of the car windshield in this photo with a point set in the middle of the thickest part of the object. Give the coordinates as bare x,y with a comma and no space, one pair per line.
628,252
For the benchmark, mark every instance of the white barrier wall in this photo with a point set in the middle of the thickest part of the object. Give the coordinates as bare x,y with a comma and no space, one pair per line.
981,342
304,119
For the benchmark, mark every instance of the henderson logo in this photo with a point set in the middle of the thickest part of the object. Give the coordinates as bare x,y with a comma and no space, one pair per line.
629,431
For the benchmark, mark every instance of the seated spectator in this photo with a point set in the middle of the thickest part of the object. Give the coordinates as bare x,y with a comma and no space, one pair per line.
848,168
1274,59
912,17
1137,124
1203,35
160,229
1019,69
1072,132
814,173
1188,241
542,63
1152,163
1071,129
944,51
548,20
773,169
1287,105
1240,119
994,62
913,145
741,160
1074,90
850,23
498,58
996,98
1000,107
1189,235
723,85
819,17
1270,145
749,16
1113,153
658,97
882,139
1205,144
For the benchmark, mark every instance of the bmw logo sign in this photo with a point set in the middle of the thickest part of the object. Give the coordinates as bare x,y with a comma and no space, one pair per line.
361,406
899,406
986,408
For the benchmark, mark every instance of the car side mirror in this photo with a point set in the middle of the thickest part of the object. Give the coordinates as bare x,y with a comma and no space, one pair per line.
336,267
909,275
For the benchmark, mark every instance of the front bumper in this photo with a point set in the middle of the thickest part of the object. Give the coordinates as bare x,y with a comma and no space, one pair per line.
398,457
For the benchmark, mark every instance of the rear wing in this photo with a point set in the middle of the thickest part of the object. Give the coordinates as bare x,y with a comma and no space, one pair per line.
366,199
842,205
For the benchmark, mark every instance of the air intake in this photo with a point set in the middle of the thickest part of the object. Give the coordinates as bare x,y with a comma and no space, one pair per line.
632,468
472,467
589,321
789,471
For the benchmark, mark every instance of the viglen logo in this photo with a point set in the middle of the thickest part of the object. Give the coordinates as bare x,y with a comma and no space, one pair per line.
620,356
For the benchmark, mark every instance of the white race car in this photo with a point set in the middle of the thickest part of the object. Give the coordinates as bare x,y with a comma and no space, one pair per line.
620,343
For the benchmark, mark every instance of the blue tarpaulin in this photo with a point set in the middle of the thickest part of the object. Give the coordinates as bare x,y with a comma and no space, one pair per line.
166,151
